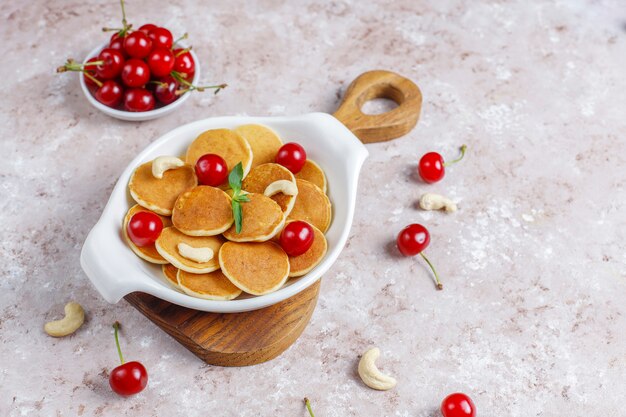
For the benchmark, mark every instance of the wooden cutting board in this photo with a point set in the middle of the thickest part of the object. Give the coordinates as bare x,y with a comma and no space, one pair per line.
241,339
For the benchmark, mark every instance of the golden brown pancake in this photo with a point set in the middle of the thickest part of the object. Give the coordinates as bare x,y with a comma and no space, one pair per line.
263,175
211,286
171,272
149,252
313,173
223,142
167,246
302,264
159,195
263,141
203,211
262,218
256,268
312,206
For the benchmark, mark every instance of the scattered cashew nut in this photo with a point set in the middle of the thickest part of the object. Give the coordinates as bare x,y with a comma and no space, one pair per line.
163,163
430,201
370,374
281,186
200,255
74,318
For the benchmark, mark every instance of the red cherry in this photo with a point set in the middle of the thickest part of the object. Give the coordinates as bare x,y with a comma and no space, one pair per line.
137,44
160,61
135,73
165,91
412,240
296,238
292,156
112,63
147,28
211,169
432,167
458,405
184,63
129,378
117,42
91,70
138,99
161,37
144,228
110,94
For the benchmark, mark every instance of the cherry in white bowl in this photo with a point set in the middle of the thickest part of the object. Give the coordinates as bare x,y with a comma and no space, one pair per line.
135,116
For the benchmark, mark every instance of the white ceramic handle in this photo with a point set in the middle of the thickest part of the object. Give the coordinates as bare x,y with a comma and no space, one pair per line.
109,275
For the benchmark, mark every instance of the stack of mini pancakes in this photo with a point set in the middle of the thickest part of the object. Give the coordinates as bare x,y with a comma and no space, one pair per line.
199,249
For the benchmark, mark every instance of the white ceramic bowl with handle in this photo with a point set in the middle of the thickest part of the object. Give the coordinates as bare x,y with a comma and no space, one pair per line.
137,116
116,271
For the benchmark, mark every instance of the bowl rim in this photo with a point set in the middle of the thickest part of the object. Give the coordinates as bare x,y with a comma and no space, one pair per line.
129,115
114,286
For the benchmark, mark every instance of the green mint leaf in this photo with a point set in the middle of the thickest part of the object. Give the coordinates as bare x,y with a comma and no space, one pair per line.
243,198
235,177
238,215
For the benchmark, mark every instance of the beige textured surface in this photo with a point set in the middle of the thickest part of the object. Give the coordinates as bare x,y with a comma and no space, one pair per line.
532,319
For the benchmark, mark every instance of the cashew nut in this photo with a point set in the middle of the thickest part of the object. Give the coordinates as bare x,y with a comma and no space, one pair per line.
200,255
163,163
74,318
370,374
430,201
281,186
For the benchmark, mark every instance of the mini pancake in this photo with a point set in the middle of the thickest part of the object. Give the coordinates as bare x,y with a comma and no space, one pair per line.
149,252
223,142
211,286
167,246
256,268
313,173
264,142
312,206
302,264
262,219
170,272
263,175
159,195
203,211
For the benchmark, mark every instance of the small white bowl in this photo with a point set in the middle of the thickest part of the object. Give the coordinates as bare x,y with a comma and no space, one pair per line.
116,271
136,116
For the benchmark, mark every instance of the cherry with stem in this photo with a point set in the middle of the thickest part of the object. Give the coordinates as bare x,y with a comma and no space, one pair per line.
432,167
412,240
130,377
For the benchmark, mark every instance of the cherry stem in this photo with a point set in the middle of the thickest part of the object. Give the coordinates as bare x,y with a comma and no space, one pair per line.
182,51
123,15
463,149
308,406
162,84
185,35
92,78
116,326
190,87
439,284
